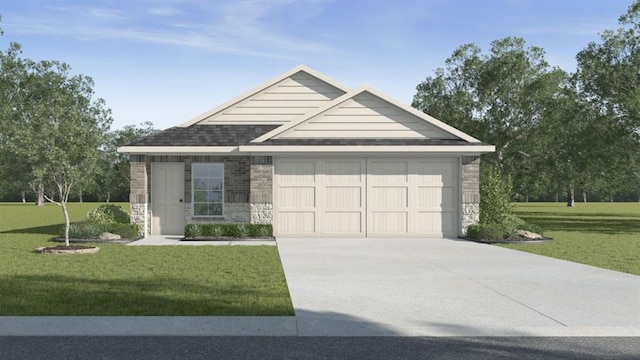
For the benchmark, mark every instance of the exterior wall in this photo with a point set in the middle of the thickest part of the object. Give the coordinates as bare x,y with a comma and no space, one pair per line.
247,189
470,211
365,116
281,102
261,190
138,198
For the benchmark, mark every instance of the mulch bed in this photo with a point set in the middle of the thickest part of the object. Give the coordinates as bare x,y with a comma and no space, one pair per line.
61,239
226,238
72,249
508,241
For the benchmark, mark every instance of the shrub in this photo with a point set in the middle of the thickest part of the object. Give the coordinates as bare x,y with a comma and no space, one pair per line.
510,223
87,230
126,231
192,231
485,232
260,230
473,230
531,227
228,230
110,214
242,231
495,196
491,232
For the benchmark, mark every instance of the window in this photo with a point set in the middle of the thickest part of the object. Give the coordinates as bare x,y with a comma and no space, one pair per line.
208,187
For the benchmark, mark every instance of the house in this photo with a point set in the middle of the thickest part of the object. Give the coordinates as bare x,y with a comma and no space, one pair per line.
315,159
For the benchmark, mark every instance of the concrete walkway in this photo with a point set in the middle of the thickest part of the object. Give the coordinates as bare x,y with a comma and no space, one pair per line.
170,240
440,287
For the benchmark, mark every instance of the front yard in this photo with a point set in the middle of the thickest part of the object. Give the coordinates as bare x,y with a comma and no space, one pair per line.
606,235
127,280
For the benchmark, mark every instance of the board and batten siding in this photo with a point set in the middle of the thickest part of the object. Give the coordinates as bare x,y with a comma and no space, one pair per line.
286,100
365,116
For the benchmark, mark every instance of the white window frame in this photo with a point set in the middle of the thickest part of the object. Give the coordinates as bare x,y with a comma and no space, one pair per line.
193,193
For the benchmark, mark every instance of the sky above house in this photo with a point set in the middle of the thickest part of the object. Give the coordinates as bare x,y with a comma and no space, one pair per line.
166,61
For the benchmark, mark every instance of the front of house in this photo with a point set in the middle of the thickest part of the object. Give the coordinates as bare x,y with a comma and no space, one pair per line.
313,158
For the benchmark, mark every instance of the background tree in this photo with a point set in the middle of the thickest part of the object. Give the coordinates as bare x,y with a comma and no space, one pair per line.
609,75
113,170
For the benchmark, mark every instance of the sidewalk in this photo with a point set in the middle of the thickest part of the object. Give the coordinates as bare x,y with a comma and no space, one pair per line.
174,240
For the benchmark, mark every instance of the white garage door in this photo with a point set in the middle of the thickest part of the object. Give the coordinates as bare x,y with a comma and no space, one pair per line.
370,197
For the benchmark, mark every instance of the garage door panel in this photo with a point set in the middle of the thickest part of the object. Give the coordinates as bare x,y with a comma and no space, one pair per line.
435,223
436,172
297,172
344,222
297,197
388,222
388,172
434,197
296,222
388,197
343,172
342,196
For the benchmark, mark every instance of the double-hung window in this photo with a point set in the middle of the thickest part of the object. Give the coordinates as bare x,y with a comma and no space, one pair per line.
208,188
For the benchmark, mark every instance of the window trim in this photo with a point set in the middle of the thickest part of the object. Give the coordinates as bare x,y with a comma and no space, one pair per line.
193,193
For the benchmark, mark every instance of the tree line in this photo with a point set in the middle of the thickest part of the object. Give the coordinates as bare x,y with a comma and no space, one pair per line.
557,133
55,136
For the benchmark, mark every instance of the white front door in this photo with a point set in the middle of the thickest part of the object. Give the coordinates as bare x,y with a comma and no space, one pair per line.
167,182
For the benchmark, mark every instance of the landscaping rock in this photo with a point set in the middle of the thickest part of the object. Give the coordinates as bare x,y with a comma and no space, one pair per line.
528,235
109,236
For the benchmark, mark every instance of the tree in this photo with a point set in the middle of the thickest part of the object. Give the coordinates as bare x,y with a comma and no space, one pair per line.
609,76
113,170
55,126
496,97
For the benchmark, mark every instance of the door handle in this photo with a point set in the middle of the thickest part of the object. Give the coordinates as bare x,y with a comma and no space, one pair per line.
180,200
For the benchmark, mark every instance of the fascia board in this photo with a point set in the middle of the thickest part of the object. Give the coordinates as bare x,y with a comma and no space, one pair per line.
177,150
457,149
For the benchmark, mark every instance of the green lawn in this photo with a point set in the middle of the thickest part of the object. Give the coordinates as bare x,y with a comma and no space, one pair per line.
128,280
606,235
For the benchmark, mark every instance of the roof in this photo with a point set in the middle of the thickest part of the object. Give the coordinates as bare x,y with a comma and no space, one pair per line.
336,120
205,135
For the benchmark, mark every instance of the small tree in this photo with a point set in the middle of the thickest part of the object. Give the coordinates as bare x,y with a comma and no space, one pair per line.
56,127
495,198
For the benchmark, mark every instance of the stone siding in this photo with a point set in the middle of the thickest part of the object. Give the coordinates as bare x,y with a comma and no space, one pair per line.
470,211
261,190
138,195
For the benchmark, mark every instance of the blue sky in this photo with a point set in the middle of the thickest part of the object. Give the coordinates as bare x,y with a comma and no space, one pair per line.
166,61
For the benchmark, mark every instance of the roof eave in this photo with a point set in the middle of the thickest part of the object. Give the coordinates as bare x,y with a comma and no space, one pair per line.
449,149
179,150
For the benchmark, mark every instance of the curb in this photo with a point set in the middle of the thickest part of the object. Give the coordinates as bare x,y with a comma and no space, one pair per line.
148,326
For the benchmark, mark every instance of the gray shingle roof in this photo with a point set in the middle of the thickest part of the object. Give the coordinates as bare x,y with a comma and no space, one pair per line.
205,135
236,135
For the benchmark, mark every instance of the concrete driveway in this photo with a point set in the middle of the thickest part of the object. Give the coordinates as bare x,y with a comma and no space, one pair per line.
442,287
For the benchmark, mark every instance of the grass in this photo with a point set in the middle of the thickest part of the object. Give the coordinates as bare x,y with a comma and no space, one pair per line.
131,281
606,235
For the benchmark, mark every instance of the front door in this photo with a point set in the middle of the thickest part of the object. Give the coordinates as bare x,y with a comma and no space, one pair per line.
167,198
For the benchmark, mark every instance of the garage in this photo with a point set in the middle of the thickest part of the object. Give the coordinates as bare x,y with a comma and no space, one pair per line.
365,197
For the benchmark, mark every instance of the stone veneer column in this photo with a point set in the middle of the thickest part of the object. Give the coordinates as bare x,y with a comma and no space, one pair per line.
470,191
261,189
138,197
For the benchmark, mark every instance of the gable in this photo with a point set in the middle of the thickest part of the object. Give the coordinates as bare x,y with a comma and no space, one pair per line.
366,116
278,102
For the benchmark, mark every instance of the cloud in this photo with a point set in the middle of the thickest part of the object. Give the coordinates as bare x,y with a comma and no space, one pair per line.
583,29
251,27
